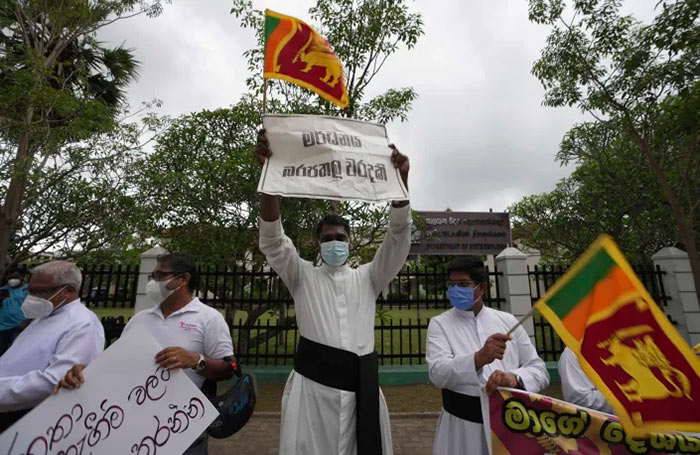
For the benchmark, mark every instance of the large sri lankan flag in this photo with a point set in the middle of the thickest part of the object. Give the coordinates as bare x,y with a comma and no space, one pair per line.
294,52
624,342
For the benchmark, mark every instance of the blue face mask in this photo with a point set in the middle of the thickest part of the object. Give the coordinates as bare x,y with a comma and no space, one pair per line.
461,298
335,252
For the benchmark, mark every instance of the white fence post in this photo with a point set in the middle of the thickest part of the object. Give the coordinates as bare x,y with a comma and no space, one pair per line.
514,286
148,263
679,286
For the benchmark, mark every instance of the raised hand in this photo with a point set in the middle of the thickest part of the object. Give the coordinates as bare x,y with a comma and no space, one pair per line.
262,148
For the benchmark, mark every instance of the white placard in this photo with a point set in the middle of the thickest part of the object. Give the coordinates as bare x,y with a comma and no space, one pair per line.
329,158
126,406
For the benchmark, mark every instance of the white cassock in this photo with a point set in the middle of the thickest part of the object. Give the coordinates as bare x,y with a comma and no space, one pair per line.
576,387
453,339
334,306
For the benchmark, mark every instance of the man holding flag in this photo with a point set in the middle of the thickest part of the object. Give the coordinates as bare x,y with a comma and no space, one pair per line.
332,403
467,348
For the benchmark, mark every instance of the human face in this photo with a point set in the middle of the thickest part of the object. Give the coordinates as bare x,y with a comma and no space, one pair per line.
44,286
163,272
331,232
463,279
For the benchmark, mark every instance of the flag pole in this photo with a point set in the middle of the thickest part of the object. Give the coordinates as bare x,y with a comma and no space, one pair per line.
520,322
264,95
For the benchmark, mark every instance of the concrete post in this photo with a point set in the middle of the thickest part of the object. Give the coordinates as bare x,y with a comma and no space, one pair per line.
514,286
148,263
679,286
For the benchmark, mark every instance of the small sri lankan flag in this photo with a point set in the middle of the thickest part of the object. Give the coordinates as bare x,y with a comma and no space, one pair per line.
294,52
624,342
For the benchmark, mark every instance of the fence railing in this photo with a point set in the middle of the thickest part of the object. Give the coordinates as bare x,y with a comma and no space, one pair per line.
549,345
274,343
252,287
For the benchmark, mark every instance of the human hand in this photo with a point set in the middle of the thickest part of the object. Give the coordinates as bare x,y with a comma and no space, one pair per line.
72,380
500,379
262,148
400,162
494,348
176,357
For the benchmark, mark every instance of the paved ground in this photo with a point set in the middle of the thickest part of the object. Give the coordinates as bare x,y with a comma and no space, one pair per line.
412,434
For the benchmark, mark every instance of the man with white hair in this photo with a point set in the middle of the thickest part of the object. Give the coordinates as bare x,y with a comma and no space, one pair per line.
63,333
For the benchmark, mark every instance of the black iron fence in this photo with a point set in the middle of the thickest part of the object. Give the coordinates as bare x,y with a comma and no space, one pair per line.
549,345
260,310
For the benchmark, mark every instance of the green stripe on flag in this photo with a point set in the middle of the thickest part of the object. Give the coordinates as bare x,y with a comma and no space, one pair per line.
581,284
270,25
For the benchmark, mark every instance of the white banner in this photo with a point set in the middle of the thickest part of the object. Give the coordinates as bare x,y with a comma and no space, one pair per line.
329,158
126,406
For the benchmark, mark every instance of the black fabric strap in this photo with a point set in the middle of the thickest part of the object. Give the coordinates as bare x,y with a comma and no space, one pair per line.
345,370
465,407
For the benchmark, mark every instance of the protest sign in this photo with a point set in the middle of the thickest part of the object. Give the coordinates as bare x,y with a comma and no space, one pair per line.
329,158
524,423
127,405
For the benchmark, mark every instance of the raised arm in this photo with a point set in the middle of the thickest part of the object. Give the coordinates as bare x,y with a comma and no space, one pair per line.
277,247
393,251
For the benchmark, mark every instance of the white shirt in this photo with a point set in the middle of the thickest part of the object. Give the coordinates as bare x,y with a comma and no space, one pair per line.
43,353
453,338
576,387
195,327
334,306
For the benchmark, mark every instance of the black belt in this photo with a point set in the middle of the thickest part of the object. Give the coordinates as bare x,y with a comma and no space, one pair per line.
345,370
465,407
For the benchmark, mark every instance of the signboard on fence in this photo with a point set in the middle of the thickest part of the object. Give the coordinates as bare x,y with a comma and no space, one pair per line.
457,233
329,158
525,423
127,405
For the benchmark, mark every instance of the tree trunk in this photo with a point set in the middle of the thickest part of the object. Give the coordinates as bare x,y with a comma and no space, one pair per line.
682,222
13,200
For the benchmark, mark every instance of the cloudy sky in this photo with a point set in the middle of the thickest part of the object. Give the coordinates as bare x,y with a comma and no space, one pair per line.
478,136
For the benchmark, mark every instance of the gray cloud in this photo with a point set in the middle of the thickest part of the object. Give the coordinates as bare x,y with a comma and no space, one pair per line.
478,136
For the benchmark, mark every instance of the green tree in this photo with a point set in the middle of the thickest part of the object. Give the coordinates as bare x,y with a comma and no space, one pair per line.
642,80
58,87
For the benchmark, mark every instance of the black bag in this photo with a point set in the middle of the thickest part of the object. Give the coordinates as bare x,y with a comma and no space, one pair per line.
235,407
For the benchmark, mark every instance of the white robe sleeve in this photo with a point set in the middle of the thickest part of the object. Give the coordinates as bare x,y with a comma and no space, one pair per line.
445,369
78,347
576,387
392,253
532,369
280,252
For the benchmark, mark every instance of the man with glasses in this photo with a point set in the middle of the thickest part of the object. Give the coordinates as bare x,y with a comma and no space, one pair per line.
197,337
63,333
467,349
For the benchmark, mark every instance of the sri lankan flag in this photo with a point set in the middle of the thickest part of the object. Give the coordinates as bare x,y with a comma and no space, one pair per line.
624,342
294,52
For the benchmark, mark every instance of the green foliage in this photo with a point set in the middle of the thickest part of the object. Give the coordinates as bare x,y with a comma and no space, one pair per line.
364,34
61,95
640,83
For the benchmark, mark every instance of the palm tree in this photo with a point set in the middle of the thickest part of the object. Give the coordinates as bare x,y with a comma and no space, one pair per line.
58,85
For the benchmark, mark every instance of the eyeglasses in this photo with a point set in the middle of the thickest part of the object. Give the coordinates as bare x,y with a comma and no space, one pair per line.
160,274
463,283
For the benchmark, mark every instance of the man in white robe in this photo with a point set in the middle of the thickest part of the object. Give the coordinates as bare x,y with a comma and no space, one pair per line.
335,309
466,350
576,387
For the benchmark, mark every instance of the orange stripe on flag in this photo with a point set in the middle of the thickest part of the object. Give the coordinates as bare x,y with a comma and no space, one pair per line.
274,40
605,293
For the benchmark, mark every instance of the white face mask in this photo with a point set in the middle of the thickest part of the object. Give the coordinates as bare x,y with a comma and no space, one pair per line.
14,282
157,290
35,307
